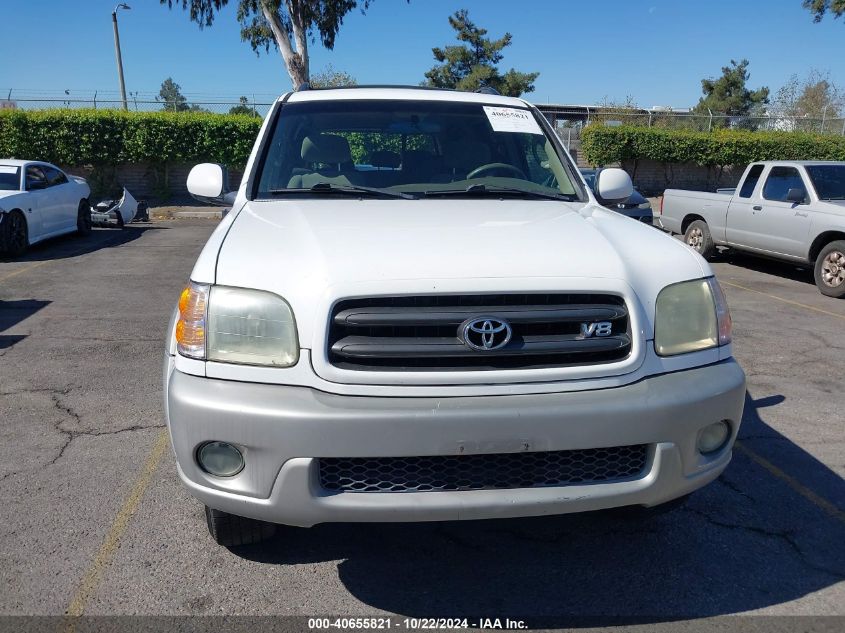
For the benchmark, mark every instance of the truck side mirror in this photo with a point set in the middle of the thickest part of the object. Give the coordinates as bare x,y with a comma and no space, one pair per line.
613,185
796,195
209,183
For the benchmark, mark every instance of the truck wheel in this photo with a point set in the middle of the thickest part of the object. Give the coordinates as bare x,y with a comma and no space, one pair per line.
83,218
830,270
231,530
14,234
699,239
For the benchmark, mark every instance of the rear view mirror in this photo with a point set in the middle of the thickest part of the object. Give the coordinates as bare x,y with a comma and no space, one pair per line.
208,182
796,195
613,185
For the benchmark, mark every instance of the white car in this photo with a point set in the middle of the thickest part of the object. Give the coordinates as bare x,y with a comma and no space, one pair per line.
37,201
463,333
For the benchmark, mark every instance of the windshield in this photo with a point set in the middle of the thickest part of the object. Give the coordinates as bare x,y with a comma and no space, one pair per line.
10,178
412,147
828,180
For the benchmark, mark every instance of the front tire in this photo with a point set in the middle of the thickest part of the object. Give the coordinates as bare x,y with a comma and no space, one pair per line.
83,218
231,530
830,270
14,234
698,238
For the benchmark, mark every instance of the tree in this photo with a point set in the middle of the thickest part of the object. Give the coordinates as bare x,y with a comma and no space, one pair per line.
243,108
819,97
786,98
819,7
813,97
330,77
174,100
285,24
729,95
475,64
171,95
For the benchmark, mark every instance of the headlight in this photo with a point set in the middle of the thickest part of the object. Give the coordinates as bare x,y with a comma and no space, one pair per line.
236,325
691,316
251,327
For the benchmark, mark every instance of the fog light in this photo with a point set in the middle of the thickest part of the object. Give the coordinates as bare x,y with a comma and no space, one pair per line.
713,437
220,459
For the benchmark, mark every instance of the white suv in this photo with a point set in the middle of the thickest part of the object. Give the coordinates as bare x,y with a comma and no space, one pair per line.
416,311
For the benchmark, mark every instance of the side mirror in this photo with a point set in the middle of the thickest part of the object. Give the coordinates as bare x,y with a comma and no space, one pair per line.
613,185
796,195
208,182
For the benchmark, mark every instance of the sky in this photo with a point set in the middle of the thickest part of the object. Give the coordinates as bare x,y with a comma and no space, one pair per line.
655,51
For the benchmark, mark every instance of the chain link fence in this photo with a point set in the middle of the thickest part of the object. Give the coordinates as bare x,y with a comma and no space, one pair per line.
256,105
570,121
567,120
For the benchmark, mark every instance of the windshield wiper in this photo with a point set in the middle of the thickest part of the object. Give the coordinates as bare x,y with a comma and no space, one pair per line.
484,190
327,187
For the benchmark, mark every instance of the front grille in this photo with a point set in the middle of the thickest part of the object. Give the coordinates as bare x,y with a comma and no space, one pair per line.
482,472
423,332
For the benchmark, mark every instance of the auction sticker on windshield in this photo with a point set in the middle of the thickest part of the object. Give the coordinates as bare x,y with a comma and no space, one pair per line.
512,120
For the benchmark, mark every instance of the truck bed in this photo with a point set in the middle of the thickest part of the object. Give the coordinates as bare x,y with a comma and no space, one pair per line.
679,203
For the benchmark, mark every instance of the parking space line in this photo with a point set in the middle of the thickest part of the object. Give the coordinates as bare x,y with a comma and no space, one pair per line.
789,301
797,486
23,270
93,576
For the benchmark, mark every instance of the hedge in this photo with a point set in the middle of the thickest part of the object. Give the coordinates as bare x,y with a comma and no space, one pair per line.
113,137
603,145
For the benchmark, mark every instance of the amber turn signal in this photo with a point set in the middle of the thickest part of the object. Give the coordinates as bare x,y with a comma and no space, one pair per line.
190,327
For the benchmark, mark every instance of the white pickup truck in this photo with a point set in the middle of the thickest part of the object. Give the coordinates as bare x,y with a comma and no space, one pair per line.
790,210
417,311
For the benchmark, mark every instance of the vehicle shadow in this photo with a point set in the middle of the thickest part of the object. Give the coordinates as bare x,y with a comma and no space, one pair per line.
747,541
778,268
12,313
73,245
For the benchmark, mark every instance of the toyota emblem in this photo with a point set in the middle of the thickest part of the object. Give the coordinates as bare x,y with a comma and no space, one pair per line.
485,333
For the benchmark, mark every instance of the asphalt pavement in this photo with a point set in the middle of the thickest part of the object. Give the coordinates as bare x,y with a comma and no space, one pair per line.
94,520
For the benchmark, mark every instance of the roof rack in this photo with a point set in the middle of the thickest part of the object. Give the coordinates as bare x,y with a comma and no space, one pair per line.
488,90
395,86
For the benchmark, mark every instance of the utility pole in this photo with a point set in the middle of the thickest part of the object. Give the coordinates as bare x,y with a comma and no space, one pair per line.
122,5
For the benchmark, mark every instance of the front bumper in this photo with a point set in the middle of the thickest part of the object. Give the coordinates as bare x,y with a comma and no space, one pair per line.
282,430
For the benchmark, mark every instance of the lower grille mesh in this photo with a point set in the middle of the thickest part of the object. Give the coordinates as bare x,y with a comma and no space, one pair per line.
481,472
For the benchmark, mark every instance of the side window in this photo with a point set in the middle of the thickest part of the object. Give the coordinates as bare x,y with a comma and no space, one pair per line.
750,181
54,177
35,178
780,181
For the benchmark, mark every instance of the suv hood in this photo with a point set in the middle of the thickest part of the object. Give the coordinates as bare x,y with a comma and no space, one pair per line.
304,250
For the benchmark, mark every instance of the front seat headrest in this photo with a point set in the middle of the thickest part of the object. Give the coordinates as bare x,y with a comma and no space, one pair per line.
385,158
326,148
